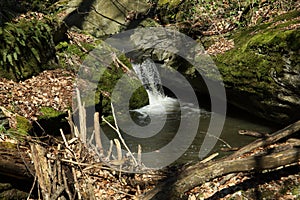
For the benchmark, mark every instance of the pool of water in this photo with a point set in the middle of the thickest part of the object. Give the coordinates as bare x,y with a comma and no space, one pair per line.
176,138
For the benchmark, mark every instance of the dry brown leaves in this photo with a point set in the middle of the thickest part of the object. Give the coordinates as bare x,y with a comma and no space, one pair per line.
221,46
242,186
29,16
78,37
52,88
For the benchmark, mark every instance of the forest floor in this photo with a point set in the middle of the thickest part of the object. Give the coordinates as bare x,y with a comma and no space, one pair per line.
81,174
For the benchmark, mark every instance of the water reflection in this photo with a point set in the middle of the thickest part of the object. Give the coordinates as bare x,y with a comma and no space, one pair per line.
166,134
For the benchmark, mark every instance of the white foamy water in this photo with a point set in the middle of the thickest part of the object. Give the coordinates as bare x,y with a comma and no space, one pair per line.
159,103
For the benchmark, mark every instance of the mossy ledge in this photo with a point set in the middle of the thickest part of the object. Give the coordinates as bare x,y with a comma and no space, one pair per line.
261,74
51,121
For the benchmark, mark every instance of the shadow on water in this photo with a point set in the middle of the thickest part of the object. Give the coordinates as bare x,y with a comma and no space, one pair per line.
235,121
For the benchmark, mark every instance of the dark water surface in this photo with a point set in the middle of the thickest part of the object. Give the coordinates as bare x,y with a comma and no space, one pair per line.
157,141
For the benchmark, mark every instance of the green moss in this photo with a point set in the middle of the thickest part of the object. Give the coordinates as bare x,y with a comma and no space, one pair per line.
48,112
26,45
296,191
23,125
116,83
139,98
51,121
66,52
287,16
293,41
257,54
170,3
5,186
149,23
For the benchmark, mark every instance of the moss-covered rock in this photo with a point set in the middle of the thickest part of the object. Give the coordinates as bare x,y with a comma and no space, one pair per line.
23,125
102,80
262,72
50,121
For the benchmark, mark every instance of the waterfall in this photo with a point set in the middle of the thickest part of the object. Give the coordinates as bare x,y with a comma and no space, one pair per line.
158,102
149,76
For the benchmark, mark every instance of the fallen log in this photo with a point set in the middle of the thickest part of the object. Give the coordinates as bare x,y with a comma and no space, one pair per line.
177,185
14,162
293,128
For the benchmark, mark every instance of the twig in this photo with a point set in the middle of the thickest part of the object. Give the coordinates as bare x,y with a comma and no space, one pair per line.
70,121
110,149
24,161
54,178
97,132
40,126
139,155
211,135
57,193
131,195
117,61
82,117
290,129
91,138
209,158
59,172
76,185
119,134
74,162
66,184
32,187
64,139
119,149
42,169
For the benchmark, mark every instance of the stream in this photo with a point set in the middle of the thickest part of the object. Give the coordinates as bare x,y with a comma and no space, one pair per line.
173,131
229,136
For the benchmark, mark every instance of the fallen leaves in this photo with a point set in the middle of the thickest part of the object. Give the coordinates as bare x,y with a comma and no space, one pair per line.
52,88
221,46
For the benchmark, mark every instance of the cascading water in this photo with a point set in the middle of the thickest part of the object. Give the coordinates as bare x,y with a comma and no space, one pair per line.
158,101
149,76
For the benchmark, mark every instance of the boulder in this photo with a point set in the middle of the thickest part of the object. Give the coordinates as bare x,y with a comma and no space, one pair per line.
100,17
262,72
